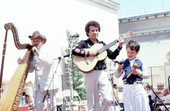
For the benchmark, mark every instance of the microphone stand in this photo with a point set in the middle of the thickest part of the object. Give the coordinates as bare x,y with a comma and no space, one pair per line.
111,79
47,95
157,99
36,73
70,79
115,102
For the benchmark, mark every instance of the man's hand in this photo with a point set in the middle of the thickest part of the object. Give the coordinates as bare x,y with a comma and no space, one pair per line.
34,49
121,43
120,66
93,53
135,71
20,61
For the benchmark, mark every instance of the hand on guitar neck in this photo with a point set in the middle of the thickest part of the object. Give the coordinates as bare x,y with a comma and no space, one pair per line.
121,41
123,37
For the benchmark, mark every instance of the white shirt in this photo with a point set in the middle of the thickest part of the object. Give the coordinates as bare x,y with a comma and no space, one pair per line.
166,98
44,75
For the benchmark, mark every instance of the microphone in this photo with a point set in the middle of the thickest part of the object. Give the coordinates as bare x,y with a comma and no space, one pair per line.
119,62
35,51
62,57
75,35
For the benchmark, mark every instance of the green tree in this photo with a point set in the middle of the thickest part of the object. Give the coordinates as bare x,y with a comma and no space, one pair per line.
71,68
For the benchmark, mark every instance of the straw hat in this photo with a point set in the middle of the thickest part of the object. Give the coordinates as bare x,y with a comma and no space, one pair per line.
36,34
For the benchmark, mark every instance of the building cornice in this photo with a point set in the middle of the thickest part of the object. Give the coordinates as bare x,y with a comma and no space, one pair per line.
149,36
146,16
155,31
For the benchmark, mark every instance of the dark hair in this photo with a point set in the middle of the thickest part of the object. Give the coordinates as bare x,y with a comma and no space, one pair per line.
91,23
133,45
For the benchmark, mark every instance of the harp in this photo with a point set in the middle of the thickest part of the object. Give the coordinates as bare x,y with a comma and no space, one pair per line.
10,98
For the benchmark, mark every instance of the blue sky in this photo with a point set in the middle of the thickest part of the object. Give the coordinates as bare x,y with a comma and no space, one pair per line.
136,7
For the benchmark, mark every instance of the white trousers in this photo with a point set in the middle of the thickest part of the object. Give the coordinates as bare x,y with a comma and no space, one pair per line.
97,81
135,98
50,100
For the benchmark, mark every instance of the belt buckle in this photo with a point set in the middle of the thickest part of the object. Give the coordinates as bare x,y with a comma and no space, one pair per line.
138,82
135,82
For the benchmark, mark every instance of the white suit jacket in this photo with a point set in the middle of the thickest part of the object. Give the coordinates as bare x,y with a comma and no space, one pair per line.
44,73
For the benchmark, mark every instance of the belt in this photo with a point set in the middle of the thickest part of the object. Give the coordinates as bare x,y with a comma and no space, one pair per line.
99,68
137,82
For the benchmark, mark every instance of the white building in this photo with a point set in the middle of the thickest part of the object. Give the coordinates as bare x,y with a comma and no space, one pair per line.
152,31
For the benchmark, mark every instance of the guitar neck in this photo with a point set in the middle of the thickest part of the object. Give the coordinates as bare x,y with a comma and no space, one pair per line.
107,46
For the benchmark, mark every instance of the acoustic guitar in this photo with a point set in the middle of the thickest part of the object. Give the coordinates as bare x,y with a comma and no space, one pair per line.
86,64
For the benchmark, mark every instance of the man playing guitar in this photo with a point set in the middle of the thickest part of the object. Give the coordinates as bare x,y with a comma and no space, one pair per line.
96,80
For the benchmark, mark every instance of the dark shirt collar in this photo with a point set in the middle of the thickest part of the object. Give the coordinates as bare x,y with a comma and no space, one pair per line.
91,43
